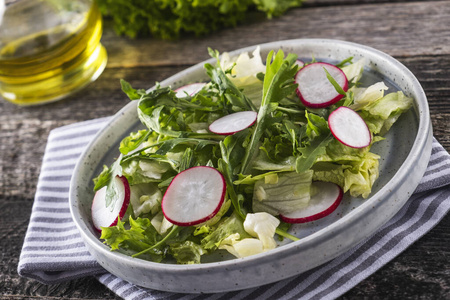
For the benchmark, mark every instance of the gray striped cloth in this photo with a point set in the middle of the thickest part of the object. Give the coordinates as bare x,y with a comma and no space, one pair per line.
54,252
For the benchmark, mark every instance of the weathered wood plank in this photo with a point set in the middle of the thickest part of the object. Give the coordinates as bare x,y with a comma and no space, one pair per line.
420,272
392,28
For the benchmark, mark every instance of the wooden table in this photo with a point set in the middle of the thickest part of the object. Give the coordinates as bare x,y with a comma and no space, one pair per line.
417,33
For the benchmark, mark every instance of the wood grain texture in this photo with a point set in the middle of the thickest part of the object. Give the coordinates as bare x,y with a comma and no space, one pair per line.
399,29
417,33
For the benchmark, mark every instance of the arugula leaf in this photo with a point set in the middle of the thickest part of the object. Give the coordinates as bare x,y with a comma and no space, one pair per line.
106,178
311,151
232,149
336,85
133,141
316,125
278,83
140,236
317,138
226,227
168,145
131,93
162,111
348,60
230,95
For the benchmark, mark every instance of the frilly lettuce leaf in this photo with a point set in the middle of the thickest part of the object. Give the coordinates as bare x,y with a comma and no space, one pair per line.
354,71
145,198
366,96
144,171
382,114
262,163
360,178
187,252
161,224
356,175
243,66
133,141
170,19
140,236
226,227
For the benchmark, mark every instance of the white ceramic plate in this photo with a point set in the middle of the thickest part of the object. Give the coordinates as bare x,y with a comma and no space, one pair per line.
405,154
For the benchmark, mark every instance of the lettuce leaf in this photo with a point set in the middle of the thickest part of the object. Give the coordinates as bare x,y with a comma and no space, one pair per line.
242,247
226,227
244,73
145,198
366,96
262,226
168,19
187,252
382,114
140,236
354,71
289,193
355,173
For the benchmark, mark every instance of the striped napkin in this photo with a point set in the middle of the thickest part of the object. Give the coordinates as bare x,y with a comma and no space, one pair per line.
53,250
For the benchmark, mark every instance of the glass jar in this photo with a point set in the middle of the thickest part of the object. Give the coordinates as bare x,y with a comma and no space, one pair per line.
48,49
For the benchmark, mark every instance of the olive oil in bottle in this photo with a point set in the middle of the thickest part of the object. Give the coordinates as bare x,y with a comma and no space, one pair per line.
49,49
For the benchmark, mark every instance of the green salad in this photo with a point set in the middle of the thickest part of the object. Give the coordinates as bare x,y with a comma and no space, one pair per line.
238,189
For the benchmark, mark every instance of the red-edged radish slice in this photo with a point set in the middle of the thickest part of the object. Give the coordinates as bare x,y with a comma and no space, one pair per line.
194,196
349,128
190,89
103,216
314,89
300,63
322,204
233,123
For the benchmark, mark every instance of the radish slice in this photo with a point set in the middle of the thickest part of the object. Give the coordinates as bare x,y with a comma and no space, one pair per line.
322,204
233,123
103,216
194,196
349,128
314,89
190,89
300,63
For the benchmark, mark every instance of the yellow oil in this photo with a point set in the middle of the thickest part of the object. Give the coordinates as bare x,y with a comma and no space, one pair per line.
53,62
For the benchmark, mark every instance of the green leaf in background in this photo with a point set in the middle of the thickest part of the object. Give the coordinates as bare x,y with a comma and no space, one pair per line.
168,19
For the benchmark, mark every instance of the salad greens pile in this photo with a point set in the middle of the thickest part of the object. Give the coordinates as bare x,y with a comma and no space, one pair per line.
167,19
279,157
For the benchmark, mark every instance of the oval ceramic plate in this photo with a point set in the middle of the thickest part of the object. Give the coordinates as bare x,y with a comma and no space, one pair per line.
405,154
